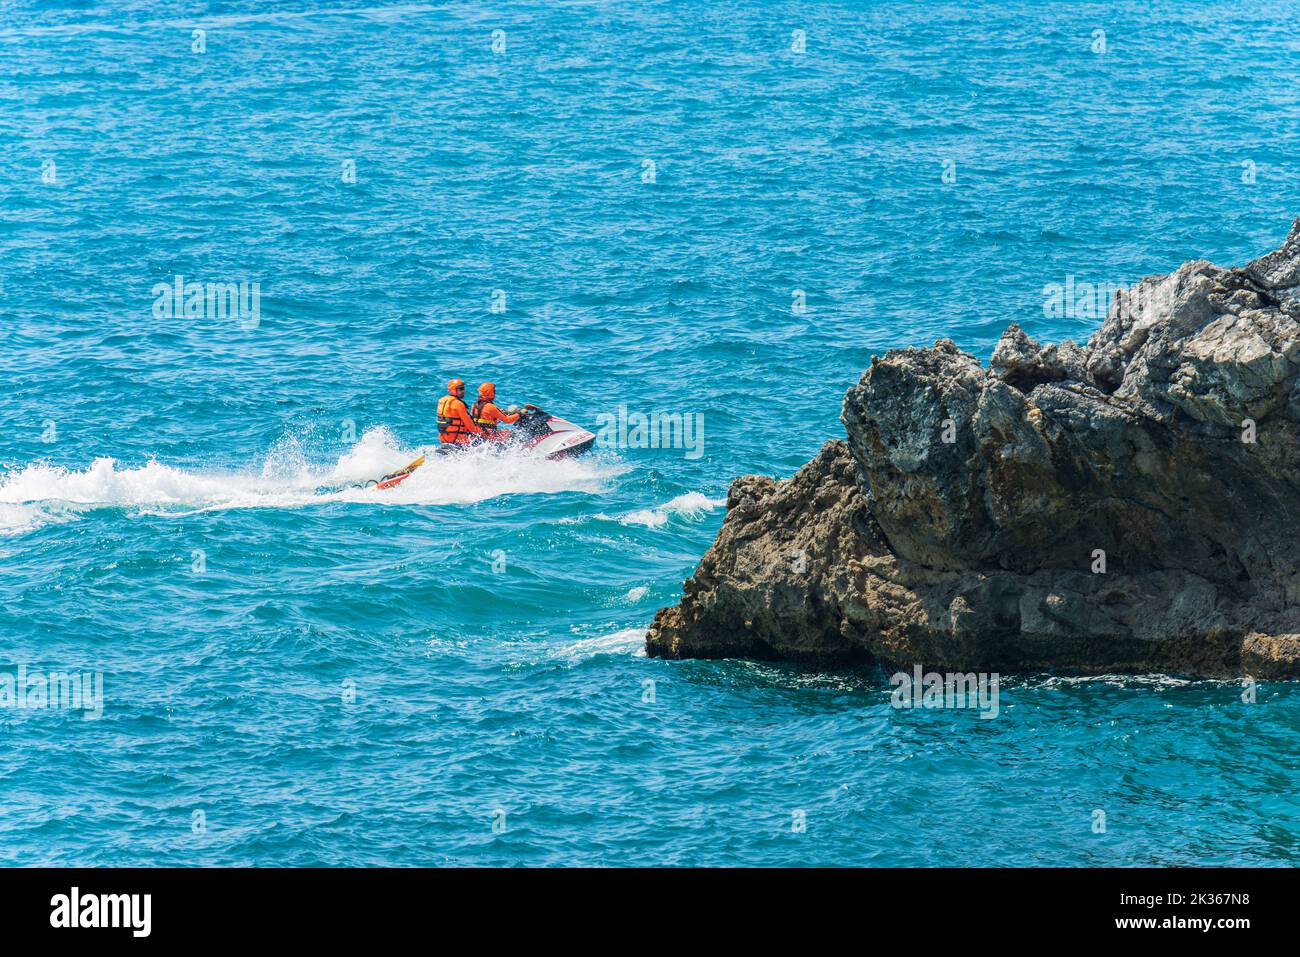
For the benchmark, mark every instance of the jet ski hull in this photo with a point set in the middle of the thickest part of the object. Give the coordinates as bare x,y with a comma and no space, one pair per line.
561,440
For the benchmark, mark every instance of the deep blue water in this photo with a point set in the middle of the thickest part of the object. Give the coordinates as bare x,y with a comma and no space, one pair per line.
160,519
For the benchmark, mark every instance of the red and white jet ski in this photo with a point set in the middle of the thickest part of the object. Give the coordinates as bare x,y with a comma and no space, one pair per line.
549,435
538,433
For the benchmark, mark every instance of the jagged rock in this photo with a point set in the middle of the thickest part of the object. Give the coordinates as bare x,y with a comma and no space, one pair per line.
1021,362
1128,506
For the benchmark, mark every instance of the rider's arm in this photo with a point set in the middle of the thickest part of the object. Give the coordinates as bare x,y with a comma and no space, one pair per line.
469,424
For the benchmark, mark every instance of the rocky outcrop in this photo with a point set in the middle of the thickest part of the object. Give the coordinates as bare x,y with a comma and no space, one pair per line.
1129,506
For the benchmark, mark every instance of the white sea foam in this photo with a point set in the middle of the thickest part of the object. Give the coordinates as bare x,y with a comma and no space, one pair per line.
692,505
39,493
627,641
1117,680
532,654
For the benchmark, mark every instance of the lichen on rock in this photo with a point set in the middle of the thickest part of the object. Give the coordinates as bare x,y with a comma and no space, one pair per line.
1131,505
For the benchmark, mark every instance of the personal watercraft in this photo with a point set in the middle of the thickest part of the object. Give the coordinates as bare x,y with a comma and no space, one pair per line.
537,432
541,433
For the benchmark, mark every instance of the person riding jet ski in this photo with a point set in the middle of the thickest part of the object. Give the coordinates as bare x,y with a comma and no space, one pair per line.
455,427
537,433
489,418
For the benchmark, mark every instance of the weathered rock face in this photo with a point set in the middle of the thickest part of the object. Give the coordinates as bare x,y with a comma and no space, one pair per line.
1132,505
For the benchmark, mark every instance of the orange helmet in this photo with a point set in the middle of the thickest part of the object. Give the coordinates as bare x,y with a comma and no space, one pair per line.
456,387
487,390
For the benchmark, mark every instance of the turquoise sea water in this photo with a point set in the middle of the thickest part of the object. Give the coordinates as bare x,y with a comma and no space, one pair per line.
294,676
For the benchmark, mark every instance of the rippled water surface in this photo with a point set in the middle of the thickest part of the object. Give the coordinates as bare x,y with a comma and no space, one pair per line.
297,674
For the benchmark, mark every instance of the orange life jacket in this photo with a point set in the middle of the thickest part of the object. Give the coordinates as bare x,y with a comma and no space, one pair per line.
452,417
488,425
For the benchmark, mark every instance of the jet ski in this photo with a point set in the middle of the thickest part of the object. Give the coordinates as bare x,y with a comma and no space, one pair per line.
541,433
538,433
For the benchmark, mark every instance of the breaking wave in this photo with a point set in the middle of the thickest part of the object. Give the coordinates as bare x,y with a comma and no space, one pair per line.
692,505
